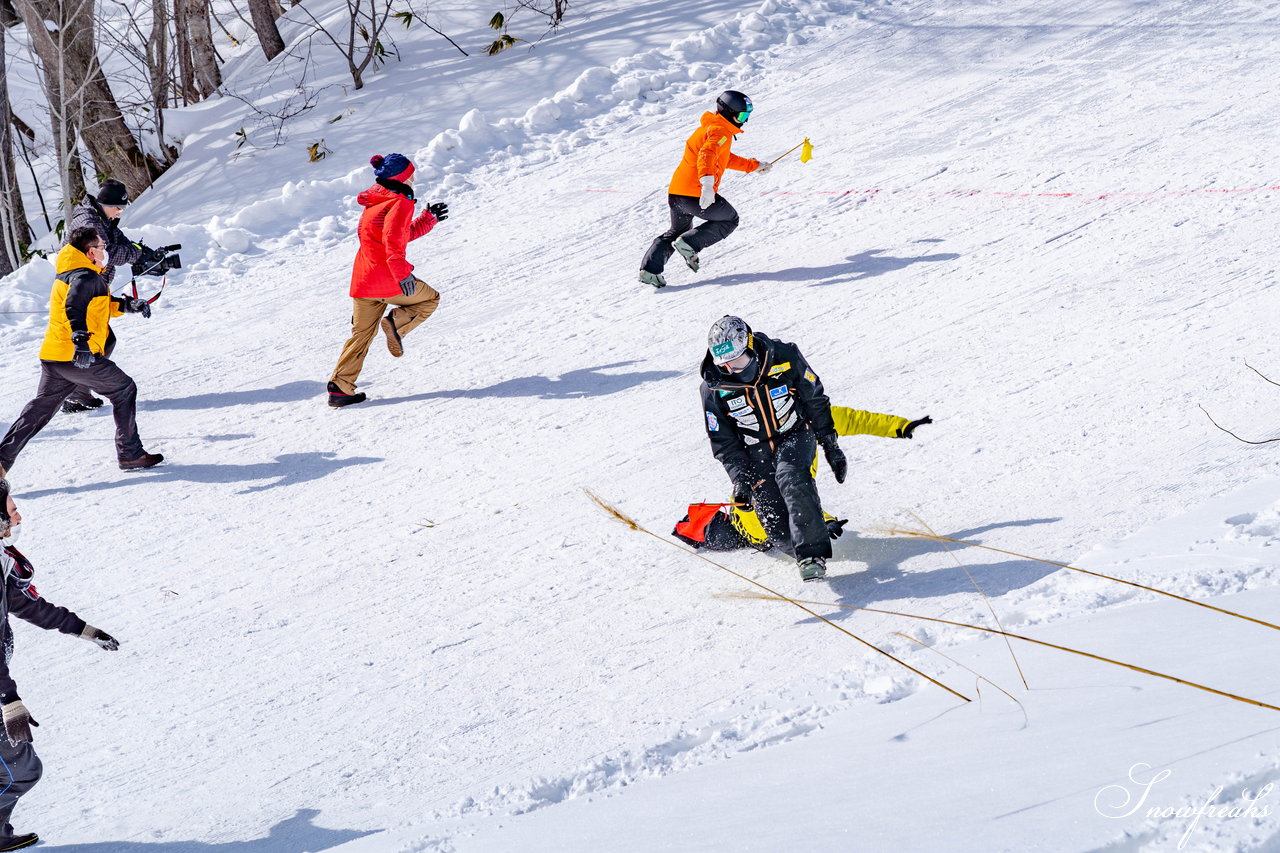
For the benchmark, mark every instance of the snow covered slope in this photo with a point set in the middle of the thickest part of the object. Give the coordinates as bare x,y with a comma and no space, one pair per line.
1048,225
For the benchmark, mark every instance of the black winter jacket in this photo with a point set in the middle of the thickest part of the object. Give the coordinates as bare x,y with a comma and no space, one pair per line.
88,214
745,420
31,607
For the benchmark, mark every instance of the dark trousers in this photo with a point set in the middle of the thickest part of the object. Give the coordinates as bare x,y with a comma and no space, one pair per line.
57,380
787,502
20,772
720,218
83,394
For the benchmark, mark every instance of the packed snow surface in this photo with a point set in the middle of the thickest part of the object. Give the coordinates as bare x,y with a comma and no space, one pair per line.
403,626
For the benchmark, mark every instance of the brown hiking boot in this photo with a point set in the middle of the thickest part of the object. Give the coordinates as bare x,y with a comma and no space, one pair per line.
394,345
146,460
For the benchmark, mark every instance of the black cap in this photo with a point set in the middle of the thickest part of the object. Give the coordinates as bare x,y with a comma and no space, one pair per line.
113,194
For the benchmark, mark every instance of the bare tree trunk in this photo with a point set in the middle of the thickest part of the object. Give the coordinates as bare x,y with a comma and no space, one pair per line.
158,70
14,233
62,35
182,45
264,14
204,60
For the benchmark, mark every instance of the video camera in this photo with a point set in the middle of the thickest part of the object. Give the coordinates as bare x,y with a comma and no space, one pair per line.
158,261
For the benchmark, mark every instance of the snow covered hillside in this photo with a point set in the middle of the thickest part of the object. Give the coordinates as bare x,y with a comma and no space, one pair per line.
403,627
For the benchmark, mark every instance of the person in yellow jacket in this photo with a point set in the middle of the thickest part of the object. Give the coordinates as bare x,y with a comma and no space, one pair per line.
694,189
80,310
730,526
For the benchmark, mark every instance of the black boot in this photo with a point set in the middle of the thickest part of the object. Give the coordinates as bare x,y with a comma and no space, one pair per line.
17,842
338,399
80,401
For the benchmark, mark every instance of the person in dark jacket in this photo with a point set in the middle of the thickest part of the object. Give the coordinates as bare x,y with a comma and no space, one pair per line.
382,277
766,414
74,354
20,767
102,214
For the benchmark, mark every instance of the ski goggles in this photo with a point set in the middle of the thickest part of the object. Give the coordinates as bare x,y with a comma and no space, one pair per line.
739,364
744,115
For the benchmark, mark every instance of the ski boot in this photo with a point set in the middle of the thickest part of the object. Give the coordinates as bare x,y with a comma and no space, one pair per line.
338,398
653,278
812,568
17,842
687,252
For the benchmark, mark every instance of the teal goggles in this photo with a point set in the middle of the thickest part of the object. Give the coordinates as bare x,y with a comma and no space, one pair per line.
744,115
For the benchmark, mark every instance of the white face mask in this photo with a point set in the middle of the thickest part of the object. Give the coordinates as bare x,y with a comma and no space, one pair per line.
14,532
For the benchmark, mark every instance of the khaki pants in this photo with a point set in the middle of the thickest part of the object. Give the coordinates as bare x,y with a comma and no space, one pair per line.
366,314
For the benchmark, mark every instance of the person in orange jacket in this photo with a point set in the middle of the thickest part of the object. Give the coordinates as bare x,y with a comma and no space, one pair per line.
695,185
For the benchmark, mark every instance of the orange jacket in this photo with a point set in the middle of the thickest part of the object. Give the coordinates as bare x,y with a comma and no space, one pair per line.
386,227
708,153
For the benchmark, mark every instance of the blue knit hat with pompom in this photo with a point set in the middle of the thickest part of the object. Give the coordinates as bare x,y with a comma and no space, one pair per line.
395,167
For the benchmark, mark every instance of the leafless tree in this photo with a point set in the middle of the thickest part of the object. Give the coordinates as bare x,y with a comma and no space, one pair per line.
80,100
265,13
14,233
361,44
197,60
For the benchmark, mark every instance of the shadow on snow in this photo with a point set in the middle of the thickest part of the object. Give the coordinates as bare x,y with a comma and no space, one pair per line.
868,264
576,384
296,835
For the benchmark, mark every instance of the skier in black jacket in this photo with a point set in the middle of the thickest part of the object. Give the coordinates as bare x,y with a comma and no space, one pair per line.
19,765
102,214
766,414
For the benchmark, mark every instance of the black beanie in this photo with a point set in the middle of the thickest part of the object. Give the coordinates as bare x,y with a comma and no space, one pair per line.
113,194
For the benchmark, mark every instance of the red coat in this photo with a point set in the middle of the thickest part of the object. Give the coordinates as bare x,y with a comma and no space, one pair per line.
386,227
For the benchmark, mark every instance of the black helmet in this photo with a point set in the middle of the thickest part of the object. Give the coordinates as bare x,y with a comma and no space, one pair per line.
734,106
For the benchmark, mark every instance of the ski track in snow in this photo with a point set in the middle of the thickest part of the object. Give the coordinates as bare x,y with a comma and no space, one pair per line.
525,650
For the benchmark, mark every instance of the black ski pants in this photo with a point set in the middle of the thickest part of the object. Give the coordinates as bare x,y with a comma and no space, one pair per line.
20,770
57,380
787,501
720,218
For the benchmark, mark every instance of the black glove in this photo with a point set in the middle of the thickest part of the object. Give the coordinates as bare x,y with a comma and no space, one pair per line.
138,306
742,495
439,210
83,356
905,432
17,722
835,457
835,527
100,638
408,284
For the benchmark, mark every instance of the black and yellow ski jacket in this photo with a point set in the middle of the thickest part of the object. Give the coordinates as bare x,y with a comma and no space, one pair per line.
745,419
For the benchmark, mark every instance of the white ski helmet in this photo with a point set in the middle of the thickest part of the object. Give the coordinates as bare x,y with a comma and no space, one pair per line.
729,338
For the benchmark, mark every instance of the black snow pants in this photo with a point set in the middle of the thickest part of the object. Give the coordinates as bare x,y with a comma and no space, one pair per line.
787,502
57,380
19,773
83,395
721,220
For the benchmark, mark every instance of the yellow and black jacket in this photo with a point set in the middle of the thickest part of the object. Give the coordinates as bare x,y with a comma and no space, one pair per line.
724,527
747,419
80,301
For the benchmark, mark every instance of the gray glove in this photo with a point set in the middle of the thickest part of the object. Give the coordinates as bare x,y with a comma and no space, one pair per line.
100,638
83,357
408,285
17,722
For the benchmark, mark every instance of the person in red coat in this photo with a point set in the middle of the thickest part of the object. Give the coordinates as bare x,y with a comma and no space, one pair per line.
382,276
